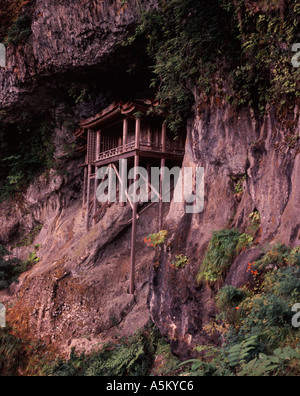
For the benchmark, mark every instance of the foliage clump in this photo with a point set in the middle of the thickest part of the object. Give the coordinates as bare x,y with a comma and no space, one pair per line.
26,151
156,239
19,30
133,356
180,261
223,248
10,268
255,322
236,51
10,10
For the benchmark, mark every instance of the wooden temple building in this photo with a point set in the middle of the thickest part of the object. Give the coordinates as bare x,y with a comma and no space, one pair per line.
125,131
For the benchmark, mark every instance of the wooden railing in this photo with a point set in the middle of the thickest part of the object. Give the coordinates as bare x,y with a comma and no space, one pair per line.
145,146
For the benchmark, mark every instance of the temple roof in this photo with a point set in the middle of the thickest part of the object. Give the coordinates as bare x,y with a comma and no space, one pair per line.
114,112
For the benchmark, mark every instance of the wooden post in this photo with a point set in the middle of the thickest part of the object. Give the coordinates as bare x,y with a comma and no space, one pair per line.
149,136
160,220
125,133
84,185
123,186
164,137
133,235
97,154
137,133
98,145
88,197
162,166
95,197
149,178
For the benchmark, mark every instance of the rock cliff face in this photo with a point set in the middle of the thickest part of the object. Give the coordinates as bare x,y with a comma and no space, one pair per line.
229,146
77,294
68,39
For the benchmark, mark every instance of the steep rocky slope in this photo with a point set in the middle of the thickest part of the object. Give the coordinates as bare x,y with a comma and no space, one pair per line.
76,295
68,40
227,146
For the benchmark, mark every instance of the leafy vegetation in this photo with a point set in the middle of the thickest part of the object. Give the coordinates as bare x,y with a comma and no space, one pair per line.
133,356
12,353
156,239
19,30
255,322
144,353
26,153
239,184
234,50
21,357
10,268
223,248
180,261
29,239
10,10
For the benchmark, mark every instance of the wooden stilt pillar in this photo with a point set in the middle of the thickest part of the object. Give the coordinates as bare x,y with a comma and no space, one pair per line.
84,185
137,133
88,197
125,141
95,197
98,141
125,133
162,166
134,214
161,183
149,178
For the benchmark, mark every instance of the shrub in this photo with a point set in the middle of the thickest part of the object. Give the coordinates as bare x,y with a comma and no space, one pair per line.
12,354
223,248
10,268
29,239
275,257
25,153
223,48
230,297
265,311
156,239
20,30
284,283
133,356
180,262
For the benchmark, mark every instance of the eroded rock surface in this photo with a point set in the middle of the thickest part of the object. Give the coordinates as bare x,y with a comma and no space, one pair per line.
226,145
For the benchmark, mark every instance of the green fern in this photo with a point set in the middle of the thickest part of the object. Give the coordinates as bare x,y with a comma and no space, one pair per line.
265,365
240,353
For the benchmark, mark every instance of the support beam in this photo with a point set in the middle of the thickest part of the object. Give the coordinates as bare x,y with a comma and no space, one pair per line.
164,137
98,145
162,175
149,177
84,186
88,197
122,186
95,197
133,235
151,187
125,140
161,183
125,133
97,154
149,136
137,133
